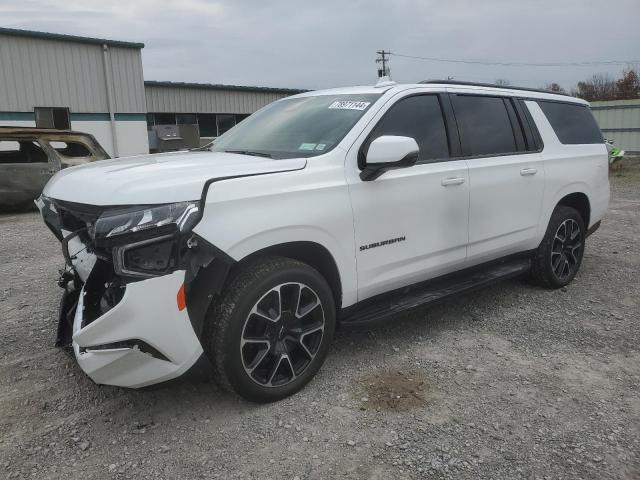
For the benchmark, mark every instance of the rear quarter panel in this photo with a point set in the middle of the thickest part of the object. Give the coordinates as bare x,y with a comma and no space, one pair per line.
570,169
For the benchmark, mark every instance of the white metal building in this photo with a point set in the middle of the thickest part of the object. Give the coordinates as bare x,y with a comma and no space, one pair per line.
97,86
214,108
620,122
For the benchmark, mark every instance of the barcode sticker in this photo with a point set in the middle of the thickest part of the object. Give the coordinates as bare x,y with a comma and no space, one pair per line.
349,105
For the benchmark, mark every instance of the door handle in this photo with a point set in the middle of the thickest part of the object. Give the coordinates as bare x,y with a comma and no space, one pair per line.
528,171
446,182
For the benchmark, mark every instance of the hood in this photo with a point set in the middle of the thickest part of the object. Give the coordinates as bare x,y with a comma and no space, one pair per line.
157,178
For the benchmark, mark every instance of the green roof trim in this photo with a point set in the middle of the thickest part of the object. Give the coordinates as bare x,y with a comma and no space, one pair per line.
22,116
216,86
68,38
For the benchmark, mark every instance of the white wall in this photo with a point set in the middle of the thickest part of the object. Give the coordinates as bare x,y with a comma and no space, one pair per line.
17,123
100,130
132,138
132,135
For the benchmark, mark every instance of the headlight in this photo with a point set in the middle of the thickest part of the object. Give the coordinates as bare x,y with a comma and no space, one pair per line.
167,219
147,258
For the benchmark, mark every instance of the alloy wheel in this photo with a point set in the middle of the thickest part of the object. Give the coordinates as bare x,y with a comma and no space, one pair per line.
566,250
282,334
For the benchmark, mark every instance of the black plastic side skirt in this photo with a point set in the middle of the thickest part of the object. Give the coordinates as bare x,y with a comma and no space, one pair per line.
593,228
379,309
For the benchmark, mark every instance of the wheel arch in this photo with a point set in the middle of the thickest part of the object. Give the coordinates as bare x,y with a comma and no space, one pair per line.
311,253
580,202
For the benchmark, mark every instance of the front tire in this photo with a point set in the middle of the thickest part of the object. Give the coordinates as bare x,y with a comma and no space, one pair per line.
559,256
270,330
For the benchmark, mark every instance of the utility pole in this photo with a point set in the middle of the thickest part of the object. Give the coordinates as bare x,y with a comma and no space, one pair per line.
383,58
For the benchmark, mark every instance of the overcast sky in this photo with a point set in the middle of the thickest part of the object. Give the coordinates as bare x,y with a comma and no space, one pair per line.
325,43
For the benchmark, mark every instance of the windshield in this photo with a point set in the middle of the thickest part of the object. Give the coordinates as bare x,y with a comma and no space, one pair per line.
296,127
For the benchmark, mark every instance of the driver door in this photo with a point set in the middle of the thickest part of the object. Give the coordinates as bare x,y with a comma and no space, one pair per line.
411,224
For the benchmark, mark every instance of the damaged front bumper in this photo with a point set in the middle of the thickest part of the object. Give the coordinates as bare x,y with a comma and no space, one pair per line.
131,331
144,339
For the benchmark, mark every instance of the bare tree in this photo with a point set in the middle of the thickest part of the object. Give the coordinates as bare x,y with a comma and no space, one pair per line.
554,87
599,87
502,82
628,86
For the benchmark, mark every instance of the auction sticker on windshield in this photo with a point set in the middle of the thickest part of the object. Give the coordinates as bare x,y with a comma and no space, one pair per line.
349,105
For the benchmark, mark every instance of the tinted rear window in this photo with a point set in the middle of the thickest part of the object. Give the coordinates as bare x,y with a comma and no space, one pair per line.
573,124
486,125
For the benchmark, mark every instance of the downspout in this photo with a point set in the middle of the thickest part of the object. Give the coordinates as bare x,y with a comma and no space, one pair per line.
112,115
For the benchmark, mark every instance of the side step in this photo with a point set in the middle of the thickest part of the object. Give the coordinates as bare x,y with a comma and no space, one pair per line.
379,309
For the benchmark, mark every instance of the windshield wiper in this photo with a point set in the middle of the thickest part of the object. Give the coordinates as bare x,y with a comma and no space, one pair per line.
250,152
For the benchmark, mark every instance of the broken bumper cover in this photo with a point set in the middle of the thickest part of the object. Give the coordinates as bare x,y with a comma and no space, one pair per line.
144,339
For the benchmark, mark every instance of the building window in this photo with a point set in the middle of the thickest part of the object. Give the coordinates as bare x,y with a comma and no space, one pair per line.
186,119
225,122
52,117
207,124
164,118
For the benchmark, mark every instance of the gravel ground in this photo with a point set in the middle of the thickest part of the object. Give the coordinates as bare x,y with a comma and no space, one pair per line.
510,382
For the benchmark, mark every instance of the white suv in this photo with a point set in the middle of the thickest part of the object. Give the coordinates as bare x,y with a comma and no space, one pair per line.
336,207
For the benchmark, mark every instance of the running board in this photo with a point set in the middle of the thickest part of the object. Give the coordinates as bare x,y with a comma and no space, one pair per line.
379,309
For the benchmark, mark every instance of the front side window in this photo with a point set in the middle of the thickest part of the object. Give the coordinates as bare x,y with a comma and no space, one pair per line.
573,123
225,123
486,127
296,127
21,151
419,117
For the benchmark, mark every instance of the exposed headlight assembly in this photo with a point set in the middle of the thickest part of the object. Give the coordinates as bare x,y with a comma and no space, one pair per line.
146,241
164,219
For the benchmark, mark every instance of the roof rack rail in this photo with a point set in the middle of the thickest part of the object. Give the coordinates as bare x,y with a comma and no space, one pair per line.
491,85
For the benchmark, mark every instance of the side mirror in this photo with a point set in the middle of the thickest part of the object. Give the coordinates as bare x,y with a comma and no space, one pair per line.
388,153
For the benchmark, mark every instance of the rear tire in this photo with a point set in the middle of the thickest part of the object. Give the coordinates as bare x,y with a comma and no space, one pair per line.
270,331
559,256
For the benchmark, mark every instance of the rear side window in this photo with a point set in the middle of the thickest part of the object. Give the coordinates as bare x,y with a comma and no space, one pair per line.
419,117
573,124
486,126
71,149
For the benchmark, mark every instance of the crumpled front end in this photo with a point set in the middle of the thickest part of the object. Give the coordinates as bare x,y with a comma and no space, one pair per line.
134,302
144,338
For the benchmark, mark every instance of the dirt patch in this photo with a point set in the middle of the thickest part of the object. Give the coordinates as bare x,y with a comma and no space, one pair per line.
395,391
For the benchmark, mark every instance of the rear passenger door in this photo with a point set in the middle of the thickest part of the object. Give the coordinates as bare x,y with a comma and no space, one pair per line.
506,174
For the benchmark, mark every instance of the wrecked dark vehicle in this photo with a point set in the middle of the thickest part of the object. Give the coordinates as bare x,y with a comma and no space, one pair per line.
29,157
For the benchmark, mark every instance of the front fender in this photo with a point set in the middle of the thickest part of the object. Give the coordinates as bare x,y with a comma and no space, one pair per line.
247,215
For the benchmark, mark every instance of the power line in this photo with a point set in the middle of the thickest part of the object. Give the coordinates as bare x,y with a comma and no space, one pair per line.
384,71
517,64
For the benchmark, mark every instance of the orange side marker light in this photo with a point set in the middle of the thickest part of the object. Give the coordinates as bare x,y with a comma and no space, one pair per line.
182,302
